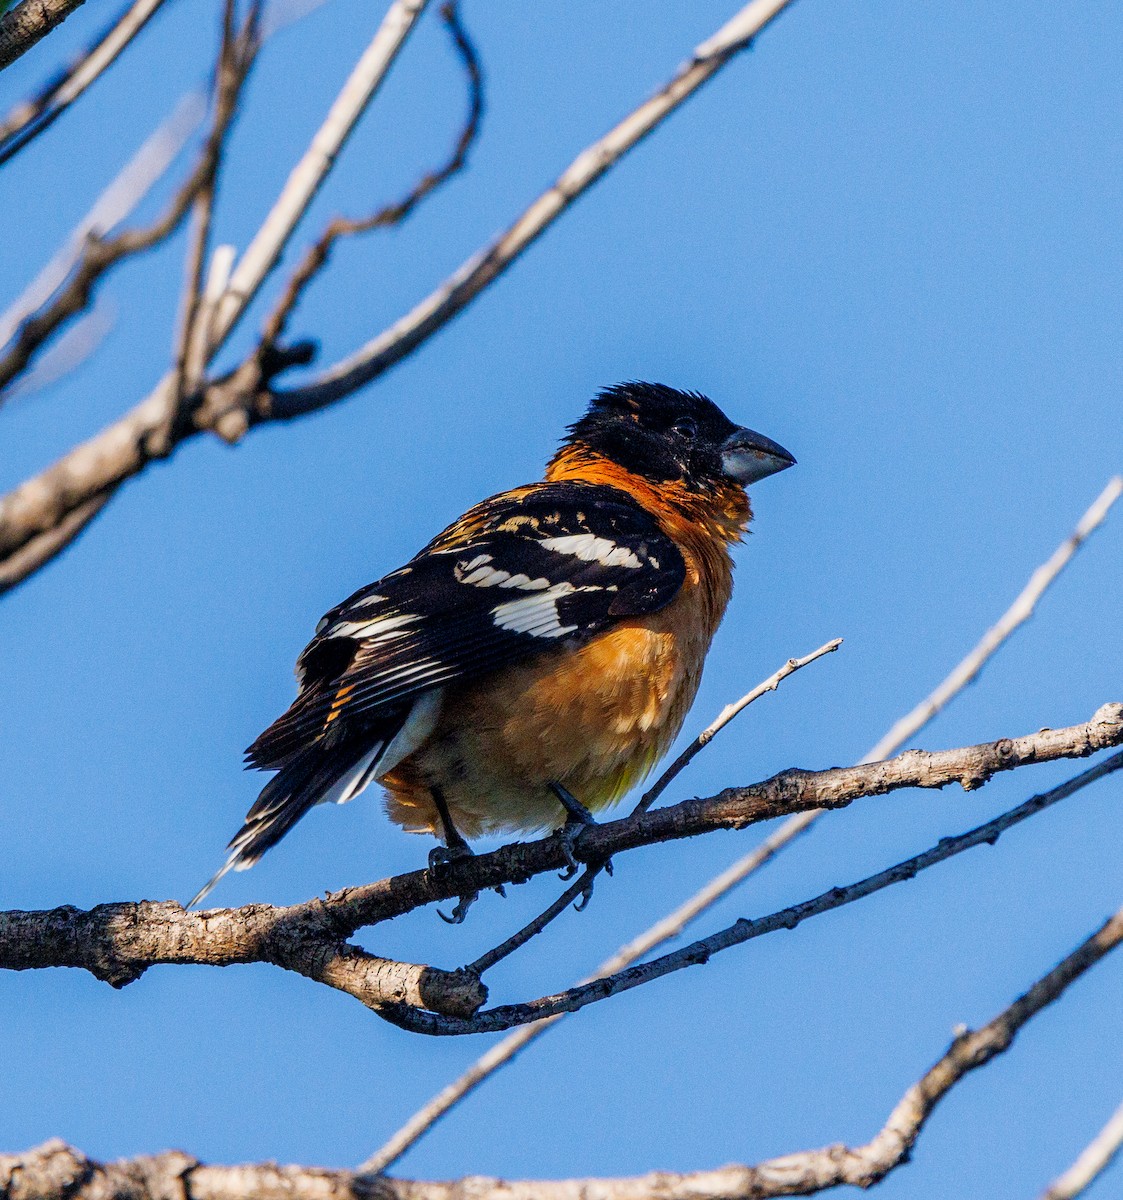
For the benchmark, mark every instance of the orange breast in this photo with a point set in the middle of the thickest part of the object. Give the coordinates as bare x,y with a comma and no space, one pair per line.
595,718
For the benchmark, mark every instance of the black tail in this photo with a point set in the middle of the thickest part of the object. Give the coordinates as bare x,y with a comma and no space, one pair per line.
300,785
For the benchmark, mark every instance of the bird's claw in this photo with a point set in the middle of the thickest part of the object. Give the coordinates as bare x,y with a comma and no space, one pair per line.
441,858
577,818
567,836
463,904
586,895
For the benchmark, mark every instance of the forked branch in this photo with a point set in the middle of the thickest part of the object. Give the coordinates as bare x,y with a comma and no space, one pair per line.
54,1171
118,942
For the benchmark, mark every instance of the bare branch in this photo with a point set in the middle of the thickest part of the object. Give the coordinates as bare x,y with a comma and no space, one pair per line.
100,254
582,890
316,257
672,925
727,714
741,931
33,555
121,450
29,21
961,675
1091,1163
485,267
192,334
309,174
1017,614
33,117
118,942
129,187
56,1172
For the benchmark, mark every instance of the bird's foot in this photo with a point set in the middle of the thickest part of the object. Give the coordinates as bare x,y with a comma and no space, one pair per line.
463,904
577,820
441,858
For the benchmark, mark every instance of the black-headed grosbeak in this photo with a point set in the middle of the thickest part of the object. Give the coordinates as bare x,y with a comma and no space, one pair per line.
538,657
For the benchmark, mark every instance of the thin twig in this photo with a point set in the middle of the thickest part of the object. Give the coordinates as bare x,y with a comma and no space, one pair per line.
188,355
128,188
118,452
699,952
100,254
309,174
483,268
713,891
423,1120
316,257
965,672
1017,614
725,716
33,117
1091,1163
582,889
56,1172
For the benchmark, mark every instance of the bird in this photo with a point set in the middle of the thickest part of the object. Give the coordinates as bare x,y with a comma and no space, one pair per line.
538,657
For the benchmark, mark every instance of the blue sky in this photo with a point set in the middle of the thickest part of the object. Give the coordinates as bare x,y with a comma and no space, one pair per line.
888,237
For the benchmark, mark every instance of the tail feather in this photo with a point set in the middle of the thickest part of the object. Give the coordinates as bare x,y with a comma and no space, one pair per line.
310,779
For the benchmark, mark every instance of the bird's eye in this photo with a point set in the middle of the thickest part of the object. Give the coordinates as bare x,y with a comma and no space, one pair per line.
686,428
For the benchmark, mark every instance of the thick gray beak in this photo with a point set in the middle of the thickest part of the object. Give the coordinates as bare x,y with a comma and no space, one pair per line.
747,456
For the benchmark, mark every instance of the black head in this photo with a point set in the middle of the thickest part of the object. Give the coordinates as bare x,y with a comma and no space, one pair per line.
666,435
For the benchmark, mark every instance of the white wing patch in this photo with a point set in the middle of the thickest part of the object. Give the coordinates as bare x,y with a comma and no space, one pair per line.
477,573
590,548
538,614
377,629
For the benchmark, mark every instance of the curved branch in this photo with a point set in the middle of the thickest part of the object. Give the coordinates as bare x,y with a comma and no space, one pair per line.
56,1172
126,447
118,942
484,267
35,116
100,254
674,923
316,257
701,951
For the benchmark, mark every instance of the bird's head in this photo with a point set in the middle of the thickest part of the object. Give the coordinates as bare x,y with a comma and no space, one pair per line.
680,442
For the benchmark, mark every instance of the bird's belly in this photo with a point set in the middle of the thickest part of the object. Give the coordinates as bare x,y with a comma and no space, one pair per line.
595,720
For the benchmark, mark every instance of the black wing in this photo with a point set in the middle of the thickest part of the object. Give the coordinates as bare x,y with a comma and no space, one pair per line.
529,571
522,573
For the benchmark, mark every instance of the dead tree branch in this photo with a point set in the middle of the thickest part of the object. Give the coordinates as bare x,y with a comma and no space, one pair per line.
701,951
674,923
118,942
483,268
963,673
1091,1163
33,117
28,22
54,1171
316,257
100,254
98,466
